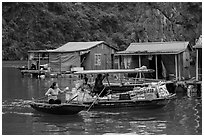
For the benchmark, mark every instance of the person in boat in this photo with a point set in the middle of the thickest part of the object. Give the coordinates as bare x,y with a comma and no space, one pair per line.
85,85
85,79
53,92
98,87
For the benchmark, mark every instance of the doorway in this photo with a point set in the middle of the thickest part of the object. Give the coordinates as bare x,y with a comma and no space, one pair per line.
152,65
83,61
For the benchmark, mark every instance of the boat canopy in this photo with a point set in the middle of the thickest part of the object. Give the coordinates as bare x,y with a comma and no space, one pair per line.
107,71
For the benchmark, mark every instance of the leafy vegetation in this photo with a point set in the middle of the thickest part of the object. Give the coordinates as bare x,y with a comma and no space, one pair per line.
49,25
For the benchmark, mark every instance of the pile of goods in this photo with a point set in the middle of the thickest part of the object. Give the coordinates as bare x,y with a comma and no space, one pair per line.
153,91
143,93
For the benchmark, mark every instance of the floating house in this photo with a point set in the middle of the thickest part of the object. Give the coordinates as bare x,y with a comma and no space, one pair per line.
170,60
89,55
198,48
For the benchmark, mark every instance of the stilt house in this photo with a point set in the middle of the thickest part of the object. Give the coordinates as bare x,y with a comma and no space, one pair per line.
198,48
89,55
170,60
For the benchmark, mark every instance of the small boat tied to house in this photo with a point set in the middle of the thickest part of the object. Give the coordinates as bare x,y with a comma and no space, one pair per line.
150,95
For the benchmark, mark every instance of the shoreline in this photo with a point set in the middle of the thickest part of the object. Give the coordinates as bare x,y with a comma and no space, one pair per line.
17,63
14,64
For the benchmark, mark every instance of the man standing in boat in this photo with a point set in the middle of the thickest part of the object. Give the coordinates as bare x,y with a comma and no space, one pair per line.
98,87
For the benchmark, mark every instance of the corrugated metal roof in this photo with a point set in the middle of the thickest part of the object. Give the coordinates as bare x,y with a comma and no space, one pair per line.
74,46
155,48
77,46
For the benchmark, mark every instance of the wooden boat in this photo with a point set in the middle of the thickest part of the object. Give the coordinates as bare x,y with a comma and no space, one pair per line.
130,96
122,84
119,84
140,97
59,109
138,104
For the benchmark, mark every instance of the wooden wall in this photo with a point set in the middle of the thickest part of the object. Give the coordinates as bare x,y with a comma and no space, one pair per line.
183,60
106,57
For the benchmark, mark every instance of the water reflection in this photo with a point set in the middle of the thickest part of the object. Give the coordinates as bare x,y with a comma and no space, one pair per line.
52,124
198,116
16,87
125,121
172,119
181,116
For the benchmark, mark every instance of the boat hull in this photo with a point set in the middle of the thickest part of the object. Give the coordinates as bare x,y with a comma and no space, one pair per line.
119,89
141,104
59,109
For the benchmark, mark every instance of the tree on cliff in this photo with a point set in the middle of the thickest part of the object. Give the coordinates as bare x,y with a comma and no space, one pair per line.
30,25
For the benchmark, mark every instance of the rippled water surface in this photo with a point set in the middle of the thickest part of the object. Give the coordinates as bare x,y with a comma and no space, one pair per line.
182,116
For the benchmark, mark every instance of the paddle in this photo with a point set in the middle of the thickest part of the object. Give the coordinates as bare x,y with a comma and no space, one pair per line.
72,99
96,99
108,80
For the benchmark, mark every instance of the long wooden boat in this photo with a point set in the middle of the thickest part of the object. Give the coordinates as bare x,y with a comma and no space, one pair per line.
126,103
59,109
138,95
121,85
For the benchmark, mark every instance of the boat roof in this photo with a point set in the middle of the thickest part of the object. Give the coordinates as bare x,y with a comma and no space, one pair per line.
108,71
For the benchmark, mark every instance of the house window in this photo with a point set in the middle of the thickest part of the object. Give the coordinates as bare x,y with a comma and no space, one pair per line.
97,59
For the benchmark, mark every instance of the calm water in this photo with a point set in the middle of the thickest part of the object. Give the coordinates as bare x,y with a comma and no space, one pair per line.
180,116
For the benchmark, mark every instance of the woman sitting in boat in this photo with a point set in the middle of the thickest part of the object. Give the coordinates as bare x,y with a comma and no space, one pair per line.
98,87
53,92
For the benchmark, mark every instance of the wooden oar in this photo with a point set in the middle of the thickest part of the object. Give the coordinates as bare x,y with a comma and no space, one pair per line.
108,81
72,99
96,99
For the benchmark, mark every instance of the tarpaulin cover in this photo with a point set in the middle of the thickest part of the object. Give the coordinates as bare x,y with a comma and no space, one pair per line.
64,61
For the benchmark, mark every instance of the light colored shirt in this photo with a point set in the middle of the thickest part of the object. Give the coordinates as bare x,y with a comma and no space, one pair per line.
53,93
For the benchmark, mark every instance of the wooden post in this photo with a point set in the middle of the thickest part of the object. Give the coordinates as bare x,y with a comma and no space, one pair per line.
60,63
140,66
105,55
156,66
38,61
29,61
48,59
196,64
119,60
176,66
179,66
